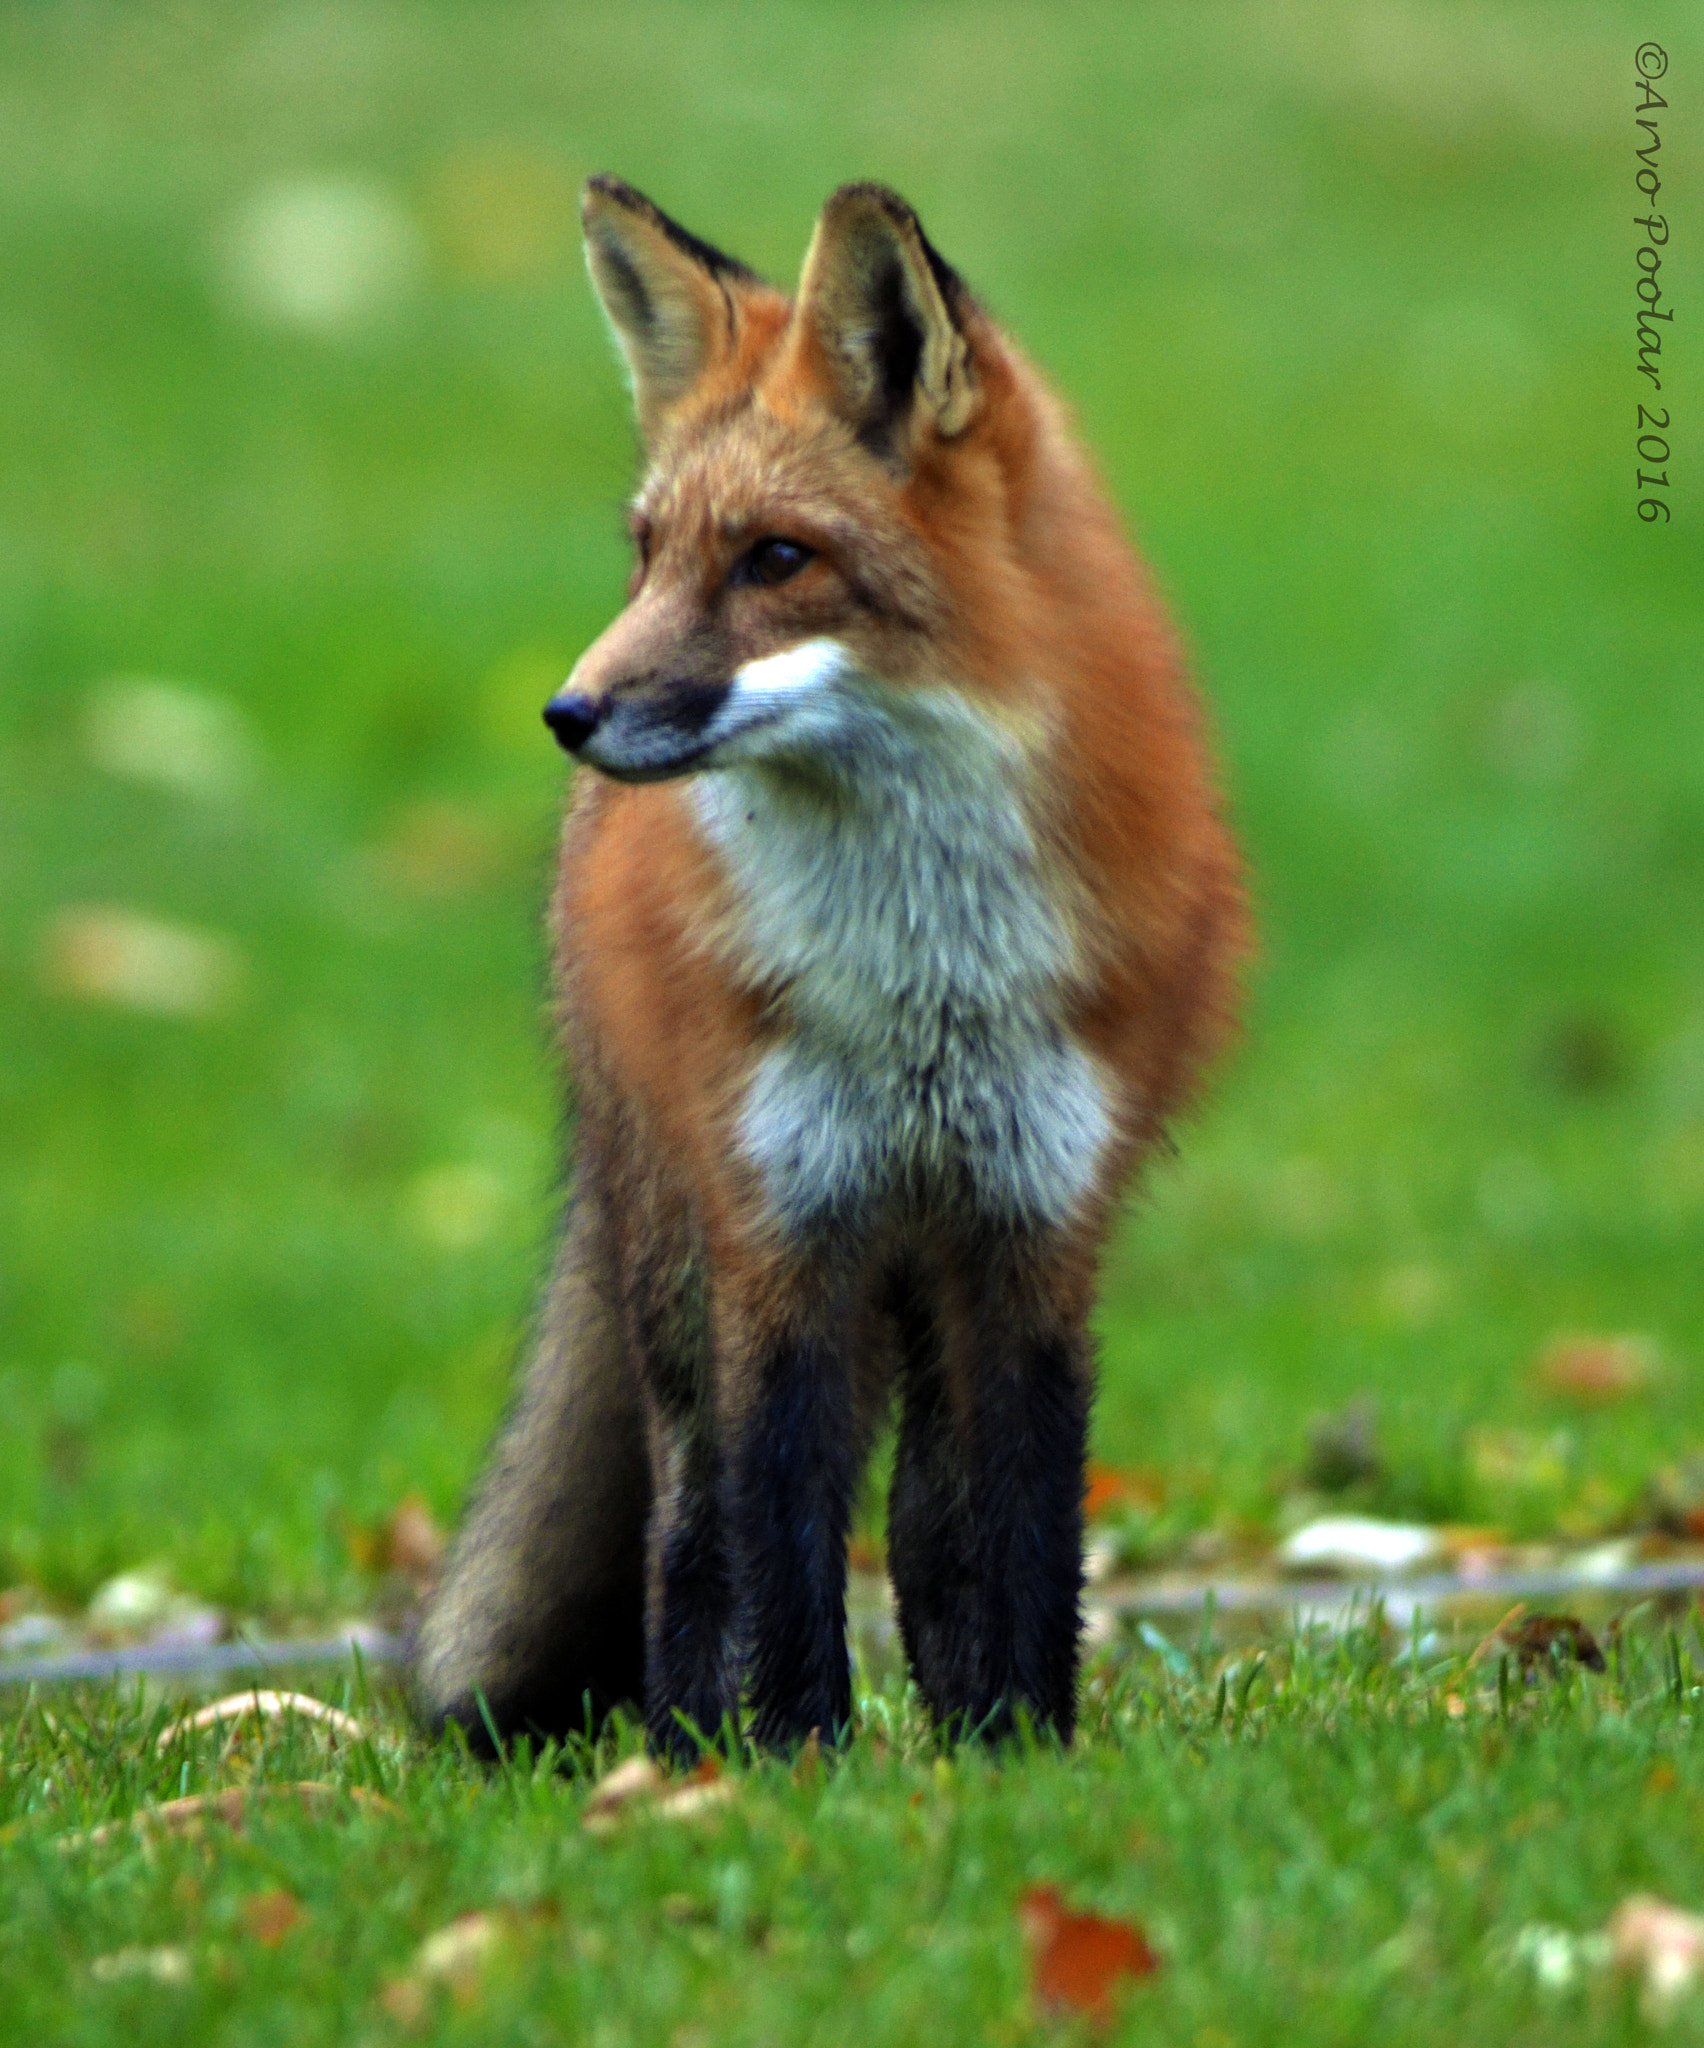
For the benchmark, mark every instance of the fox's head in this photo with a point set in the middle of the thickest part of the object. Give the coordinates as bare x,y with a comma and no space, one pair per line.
834,491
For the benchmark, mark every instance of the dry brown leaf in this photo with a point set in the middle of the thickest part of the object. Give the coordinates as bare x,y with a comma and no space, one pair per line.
457,1953
1597,1370
230,1807
413,1543
1535,1638
639,1784
264,1706
637,1778
1663,1943
1489,1642
685,1802
269,1916
105,953
455,1956
1080,1963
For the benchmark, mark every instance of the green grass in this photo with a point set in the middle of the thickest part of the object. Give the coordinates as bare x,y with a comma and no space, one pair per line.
1342,297
1317,1847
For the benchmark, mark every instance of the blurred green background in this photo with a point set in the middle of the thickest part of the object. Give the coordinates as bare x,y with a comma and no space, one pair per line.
315,452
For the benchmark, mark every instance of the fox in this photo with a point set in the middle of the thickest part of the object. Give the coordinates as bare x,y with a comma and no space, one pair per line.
895,921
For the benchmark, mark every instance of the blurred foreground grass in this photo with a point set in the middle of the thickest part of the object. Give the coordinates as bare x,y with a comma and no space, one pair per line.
316,451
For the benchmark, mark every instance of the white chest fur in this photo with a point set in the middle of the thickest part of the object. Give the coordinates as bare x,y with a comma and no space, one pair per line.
886,880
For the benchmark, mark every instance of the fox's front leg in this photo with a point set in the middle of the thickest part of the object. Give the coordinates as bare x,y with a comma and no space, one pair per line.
755,1463
794,1466
985,1521
691,1656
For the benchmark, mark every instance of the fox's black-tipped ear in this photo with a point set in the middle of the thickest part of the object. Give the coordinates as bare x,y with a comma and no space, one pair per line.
886,315
671,299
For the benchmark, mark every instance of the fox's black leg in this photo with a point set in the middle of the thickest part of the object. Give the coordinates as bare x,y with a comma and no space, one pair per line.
931,1530
691,1666
986,1524
794,1469
691,1660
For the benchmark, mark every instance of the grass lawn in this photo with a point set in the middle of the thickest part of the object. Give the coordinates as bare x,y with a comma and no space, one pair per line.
1324,1846
315,454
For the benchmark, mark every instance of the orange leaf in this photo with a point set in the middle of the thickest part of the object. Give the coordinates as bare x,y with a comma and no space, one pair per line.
1594,1370
1107,1487
1078,1961
269,1916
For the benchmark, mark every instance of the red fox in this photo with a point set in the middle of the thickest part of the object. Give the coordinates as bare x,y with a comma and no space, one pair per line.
895,920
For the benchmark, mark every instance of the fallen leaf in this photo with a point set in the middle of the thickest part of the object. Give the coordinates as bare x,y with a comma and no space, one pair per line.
264,1706
108,954
1493,1637
1108,1487
637,1778
269,1916
164,1965
457,1953
639,1784
1597,1370
1664,1944
405,1999
692,1799
1664,1778
1537,1637
230,1807
1080,1963
413,1543
456,1956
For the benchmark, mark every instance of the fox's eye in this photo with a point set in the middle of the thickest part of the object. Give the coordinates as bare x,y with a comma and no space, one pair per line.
772,561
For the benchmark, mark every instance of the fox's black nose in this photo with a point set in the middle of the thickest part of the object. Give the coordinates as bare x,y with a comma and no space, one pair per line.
572,718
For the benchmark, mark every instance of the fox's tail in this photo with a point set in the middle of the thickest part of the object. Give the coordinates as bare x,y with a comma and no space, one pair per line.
541,1612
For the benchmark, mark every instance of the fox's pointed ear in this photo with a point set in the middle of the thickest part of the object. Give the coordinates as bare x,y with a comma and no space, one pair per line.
670,298
886,315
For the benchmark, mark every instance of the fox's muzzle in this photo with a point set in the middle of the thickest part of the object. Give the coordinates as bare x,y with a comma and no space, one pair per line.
573,718
637,735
